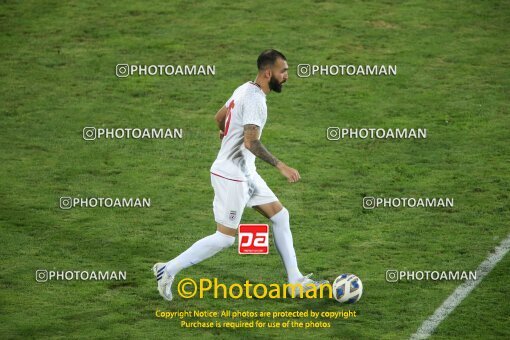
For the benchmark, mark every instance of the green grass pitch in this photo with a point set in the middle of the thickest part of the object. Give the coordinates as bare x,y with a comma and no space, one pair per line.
57,74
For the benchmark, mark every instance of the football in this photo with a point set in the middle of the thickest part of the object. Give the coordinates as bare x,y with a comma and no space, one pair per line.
347,288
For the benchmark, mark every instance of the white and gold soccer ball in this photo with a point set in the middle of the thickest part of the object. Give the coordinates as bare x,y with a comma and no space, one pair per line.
347,288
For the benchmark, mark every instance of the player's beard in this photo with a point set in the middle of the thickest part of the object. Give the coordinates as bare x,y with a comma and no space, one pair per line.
275,85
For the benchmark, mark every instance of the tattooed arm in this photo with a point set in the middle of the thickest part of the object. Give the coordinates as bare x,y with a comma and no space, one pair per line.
253,143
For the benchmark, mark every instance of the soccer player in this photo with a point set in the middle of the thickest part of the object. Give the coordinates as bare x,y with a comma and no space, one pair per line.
236,182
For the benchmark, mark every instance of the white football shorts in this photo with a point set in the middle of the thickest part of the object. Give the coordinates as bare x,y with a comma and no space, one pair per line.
232,196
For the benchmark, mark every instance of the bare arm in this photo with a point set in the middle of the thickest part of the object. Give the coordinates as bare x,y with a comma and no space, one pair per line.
253,143
220,117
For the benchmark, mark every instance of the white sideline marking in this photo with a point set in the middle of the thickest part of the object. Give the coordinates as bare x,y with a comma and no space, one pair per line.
430,325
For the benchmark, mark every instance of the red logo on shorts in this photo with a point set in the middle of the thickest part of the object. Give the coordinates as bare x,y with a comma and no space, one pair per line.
253,239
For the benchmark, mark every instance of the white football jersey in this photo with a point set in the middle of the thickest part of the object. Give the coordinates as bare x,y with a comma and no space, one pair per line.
247,105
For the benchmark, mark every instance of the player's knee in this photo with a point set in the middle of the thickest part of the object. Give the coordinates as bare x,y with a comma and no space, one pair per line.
285,213
230,241
224,240
282,217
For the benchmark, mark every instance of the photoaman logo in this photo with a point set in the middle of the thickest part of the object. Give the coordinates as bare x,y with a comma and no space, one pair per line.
188,288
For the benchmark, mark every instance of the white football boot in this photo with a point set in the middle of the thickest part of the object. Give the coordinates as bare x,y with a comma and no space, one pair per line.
305,284
164,280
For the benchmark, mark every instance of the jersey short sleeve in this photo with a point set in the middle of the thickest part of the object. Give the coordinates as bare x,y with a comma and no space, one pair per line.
253,111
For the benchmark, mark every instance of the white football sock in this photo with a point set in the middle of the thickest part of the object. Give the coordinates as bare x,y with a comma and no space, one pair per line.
199,251
284,244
